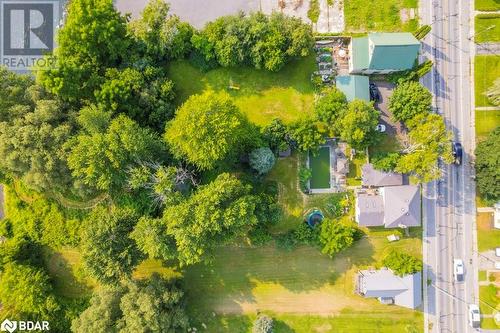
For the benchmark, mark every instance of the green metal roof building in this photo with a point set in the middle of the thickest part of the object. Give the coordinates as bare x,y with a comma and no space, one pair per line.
383,53
354,86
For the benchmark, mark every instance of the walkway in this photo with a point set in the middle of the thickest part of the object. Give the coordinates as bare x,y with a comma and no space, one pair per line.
487,48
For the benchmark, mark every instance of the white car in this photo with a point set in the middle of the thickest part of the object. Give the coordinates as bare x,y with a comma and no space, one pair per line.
497,251
496,223
474,316
380,128
458,270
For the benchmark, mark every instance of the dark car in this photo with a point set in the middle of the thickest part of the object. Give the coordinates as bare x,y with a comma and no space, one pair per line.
374,94
457,152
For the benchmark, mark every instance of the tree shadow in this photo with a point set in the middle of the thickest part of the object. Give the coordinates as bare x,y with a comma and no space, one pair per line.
282,327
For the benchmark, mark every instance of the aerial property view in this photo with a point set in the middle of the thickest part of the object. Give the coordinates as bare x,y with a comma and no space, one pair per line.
250,166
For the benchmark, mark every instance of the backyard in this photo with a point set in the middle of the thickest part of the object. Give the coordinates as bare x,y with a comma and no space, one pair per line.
319,163
360,15
261,95
487,69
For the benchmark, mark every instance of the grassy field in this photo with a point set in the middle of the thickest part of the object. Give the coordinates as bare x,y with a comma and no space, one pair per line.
487,5
354,176
262,95
487,27
486,121
487,69
487,236
294,284
320,168
378,15
489,299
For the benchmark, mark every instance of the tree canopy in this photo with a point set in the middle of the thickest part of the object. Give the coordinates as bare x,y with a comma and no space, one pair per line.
206,129
101,158
109,254
264,41
336,236
307,134
410,99
488,167
263,324
358,124
428,141
402,263
330,106
215,214
262,160
93,38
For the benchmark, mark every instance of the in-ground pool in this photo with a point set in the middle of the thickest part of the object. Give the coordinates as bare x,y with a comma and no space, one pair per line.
319,164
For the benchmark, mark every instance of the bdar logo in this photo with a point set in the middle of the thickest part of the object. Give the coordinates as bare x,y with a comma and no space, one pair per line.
8,325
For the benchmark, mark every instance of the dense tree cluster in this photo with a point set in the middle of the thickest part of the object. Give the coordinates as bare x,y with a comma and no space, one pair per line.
488,167
402,263
336,236
258,40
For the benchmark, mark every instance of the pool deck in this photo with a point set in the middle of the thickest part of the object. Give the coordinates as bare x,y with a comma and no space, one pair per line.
337,177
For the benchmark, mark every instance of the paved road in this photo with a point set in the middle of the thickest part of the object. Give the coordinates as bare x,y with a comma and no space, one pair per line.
449,204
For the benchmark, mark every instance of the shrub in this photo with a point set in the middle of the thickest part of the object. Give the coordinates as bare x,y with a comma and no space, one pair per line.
259,236
385,161
304,234
314,10
262,160
402,263
422,31
286,241
305,174
263,324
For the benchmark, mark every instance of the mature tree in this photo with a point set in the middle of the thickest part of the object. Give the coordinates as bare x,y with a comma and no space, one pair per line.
336,236
262,160
152,239
31,145
263,324
215,214
155,305
385,162
101,158
14,90
145,95
276,134
428,142
488,167
109,254
27,289
330,106
162,36
493,92
402,263
263,41
358,124
409,100
307,134
207,128
93,38
102,314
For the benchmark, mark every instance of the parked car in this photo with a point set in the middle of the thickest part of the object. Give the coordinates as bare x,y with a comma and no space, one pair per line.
497,251
374,94
458,270
474,316
380,128
496,216
457,152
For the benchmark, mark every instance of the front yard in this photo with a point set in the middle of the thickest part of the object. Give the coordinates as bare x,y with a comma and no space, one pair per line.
487,27
487,69
379,15
486,121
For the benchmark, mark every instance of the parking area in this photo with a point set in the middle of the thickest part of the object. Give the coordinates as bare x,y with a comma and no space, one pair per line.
385,90
199,12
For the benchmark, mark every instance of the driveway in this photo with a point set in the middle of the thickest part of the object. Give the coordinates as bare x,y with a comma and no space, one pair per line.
385,89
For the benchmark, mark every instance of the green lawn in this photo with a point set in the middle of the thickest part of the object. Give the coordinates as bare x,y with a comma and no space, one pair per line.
486,121
303,289
354,176
487,236
387,144
487,5
319,164
487,69
487,27
482,276
262,95
489,299
378,15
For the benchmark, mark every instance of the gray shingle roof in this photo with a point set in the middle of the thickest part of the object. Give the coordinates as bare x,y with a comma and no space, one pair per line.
401,206
376,178
406,290
369,210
